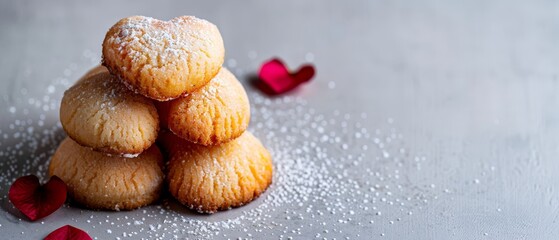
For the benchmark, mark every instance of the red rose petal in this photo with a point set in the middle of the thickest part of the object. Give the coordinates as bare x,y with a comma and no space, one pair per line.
68,233
279,80
34,200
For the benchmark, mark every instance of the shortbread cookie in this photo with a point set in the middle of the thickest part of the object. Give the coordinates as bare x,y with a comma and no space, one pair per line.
94,71
101,113
98,181
163,59
214,114
208,179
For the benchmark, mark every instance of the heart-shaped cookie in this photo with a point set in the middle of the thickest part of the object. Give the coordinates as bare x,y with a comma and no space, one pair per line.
279,80
163,59
37,201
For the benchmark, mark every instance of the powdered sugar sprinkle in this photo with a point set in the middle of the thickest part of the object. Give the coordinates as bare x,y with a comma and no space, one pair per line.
330,173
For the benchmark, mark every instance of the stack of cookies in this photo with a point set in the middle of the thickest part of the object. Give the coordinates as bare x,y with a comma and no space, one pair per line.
161,81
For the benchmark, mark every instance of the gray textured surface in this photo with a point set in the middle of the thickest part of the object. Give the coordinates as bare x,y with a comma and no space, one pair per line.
471,85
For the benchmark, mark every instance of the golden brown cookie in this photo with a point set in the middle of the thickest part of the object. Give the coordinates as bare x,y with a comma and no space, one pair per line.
94,71
208,179
214,114
98,181
163,59
101,113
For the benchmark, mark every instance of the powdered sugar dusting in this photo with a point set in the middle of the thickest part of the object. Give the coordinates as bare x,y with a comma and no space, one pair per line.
129,155
161,43
102,90
331,173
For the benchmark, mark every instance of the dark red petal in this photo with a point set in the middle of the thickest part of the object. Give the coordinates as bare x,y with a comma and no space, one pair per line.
23,194
36,201
275,75
53,196
68,233
304,74
278,79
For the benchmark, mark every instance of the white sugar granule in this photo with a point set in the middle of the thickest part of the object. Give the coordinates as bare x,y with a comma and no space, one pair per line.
330,172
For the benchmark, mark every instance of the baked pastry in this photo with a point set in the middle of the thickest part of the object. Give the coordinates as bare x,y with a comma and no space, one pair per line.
214,114
101,113
94,71
98,181
163,59
208,179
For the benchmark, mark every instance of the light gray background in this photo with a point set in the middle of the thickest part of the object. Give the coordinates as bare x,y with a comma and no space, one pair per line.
473,85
